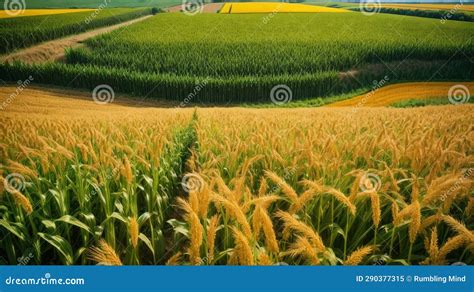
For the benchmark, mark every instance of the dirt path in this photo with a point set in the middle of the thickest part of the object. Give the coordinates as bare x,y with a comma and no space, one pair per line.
390,94
208,8
54,50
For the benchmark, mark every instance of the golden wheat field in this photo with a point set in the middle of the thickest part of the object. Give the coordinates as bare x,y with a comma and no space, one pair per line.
390,94
115,184
36,12
266,7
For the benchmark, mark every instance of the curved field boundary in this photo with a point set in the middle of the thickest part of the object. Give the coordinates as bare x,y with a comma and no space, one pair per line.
390,94
447,6
236,8
208,8
54,50
37,12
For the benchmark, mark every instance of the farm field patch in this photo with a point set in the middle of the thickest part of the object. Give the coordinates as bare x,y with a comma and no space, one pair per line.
102,184
390,94
20,32
455,6
94,4
238,63
36,12
264,7
55,50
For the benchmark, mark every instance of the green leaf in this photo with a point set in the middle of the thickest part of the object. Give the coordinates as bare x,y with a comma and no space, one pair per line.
12,229
143,218
61,245
148,180
117,216
50,225
74,221
179,227
147,242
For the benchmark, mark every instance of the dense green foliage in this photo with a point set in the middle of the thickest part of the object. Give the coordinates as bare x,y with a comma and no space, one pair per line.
438,14
244,46
22,32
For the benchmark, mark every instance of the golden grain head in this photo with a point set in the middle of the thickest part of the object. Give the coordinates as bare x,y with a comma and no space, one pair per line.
175,260
211,236
358,256
292,223
415,223
242,248
288,191
104,254
23,201
134,232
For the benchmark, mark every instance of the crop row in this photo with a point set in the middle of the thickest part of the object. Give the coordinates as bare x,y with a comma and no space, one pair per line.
20,32
232,89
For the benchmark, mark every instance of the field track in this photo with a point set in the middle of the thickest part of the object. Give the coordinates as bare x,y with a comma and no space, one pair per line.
54,50
208,8
390,94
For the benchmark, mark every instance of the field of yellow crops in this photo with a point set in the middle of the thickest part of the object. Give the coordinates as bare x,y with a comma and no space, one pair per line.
448,7
84,183
265,7
35,12
390,94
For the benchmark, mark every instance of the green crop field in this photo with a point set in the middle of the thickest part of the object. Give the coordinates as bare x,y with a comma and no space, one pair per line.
22,32
241,57
38,4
